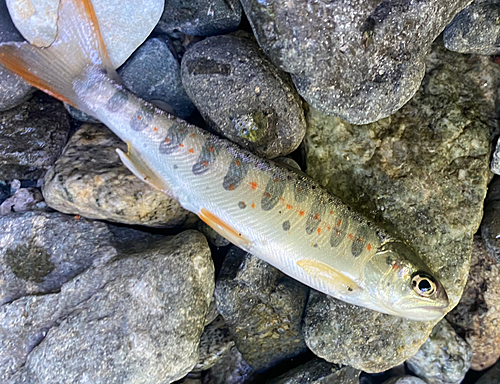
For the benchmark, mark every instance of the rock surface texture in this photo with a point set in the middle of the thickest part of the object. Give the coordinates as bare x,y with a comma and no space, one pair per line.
89,179
32,137
243,96
357,59
124,24
136,318
23,200
430,194
490,227
477,315
475,29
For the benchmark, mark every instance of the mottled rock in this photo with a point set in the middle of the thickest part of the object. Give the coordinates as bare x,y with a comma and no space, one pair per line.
492,376
262,307
136,319
477,316
444,358
153,73
243,96
200,17
319,371
230,369
215,342
405,380
422,173
25,199
490,227
213,237
124,25
32,137
212,312
475,29
357,59
90,180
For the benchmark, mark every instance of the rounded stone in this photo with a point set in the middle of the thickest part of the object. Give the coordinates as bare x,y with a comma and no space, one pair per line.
243,96
213,237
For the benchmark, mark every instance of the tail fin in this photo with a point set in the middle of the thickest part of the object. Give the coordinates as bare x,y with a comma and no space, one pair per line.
78,45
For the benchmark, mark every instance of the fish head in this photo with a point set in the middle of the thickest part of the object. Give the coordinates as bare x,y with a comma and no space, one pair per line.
403,285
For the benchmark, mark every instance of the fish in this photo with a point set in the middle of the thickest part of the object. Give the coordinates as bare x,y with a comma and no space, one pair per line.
271,211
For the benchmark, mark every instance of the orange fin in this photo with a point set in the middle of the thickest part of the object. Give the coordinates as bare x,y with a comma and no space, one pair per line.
224,229
329,275
77,47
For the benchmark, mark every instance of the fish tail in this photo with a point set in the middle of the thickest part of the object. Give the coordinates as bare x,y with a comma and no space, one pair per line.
78,46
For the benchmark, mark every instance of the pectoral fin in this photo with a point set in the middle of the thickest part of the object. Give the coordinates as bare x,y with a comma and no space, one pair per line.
134,162
322,271
224,229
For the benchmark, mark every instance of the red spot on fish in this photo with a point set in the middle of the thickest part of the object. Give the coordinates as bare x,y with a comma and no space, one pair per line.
192,135
253,184
359,239
369,247
319,231
204,163
302,213
167,140
268,195
288,206
331,212
394,266
253,205
191,150
351,237
339,222
139,117
181,145
155,129
238,163
211,149
231,187
316,216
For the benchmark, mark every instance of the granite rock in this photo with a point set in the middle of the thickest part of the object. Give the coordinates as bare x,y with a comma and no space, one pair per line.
199,17
405,380
213,237
318,371
475,29
124,24
243,96
230,369
32,137
444,358
262,307
422,174
90,180
25,199
153,73
490,227
135,319
477,316
357,59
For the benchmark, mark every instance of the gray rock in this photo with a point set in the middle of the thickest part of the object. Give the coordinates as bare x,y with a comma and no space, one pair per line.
4,191
90,180
153,73
492,376
357,59
477,315
495,161
215,342
318,371
490,226
262,307
444,358
136,319
32,137
212,312
25,199
230,369
475,29
213,237
405,380
243,96
199,17
422,173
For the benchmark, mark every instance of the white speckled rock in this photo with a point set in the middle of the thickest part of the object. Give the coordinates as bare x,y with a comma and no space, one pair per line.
124,24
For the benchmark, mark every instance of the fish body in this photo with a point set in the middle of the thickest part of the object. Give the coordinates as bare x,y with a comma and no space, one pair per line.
271,211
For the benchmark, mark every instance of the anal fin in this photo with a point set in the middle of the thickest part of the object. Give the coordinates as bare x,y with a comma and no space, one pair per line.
133,161
224,229
329,275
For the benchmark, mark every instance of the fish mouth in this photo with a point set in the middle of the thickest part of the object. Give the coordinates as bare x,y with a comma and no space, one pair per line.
426,313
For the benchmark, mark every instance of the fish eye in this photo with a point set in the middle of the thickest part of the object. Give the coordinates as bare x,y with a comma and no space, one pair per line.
423,284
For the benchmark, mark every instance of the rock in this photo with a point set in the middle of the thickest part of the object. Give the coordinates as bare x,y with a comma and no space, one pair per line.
153,73
443,358
124,25
90,180
230,369
491,377
243,96
135,319
79,115
25,199
405,380
422,173
319,371
32,137
200,18
4,191
213,237
475,29
359,60
495,161
262,307
215,342
490,227
477,316
212,312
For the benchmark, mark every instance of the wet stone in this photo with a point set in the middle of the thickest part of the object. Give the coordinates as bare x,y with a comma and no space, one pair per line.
24,199
154,74
319,371
230,369
32,137
243,96
475,29
213,237
262,307
356,59
120,318
443,358
405,380
430,195
477,316
495,161
90,180
490,226
200,18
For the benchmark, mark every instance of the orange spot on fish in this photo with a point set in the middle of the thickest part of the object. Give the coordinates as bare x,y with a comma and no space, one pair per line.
316,216
329,228
253,205
253,184
268,195
302,213
211,149
369,247
319,231
238,163
351,237
139,117
299,189
231,187
181,130
155,129
192,135
339,222
394,266
276,180
204,163
181,145
331,212
282,199
191,150
167,140
77,217
359,239
288,206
